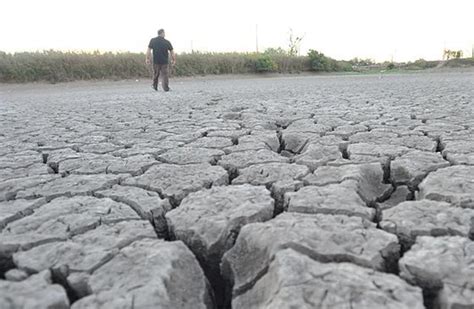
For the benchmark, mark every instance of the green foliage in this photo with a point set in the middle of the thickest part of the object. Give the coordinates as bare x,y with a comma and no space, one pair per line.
420,64
321,63
391,66
265,64
362,62
55,66
275,51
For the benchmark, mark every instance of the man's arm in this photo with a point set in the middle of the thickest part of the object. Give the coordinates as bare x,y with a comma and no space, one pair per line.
173,57
148,56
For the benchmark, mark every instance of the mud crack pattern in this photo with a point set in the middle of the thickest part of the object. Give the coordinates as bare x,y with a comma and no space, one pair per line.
291,192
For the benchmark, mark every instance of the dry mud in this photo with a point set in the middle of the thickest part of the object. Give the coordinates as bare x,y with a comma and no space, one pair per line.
291,192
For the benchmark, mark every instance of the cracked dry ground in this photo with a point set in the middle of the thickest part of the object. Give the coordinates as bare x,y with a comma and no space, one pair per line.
302,192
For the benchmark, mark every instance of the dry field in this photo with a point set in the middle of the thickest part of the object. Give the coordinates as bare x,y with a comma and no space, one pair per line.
289,192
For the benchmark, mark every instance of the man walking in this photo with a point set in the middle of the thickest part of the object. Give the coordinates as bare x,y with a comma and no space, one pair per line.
160,47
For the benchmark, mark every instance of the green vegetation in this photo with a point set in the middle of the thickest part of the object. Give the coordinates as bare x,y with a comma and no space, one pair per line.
391,66
321,63
265,63
420,64
55,66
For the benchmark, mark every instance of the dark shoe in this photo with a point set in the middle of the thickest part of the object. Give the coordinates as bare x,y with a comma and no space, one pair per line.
169,89
155,87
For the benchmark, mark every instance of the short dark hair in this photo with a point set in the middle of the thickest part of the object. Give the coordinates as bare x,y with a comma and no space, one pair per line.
161,31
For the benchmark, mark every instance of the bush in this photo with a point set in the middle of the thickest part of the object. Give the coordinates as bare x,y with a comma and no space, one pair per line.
265,64
321,63
420,64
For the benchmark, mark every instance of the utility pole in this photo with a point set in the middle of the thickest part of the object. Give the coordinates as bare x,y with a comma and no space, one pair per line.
256,37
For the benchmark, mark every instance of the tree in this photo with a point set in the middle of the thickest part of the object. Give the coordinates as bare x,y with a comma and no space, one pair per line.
319,62
294,44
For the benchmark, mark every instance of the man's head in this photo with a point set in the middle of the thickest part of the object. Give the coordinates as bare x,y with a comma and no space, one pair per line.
161,32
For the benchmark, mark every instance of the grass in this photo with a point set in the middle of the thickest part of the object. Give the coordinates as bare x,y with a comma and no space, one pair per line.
56,66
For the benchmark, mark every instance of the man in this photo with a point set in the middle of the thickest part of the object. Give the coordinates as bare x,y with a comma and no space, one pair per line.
160,47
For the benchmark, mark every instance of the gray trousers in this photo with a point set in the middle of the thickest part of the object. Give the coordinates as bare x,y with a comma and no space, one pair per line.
163,70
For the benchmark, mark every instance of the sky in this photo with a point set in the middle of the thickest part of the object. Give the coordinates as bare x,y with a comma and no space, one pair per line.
402,30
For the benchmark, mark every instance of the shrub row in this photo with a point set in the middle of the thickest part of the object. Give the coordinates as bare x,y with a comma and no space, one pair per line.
56,66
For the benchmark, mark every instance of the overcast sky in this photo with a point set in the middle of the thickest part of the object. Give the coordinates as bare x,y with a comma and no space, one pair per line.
342,29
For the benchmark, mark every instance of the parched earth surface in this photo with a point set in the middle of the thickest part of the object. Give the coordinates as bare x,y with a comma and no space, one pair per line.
289,192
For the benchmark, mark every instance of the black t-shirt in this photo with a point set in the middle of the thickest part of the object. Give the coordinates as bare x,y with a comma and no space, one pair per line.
160,47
